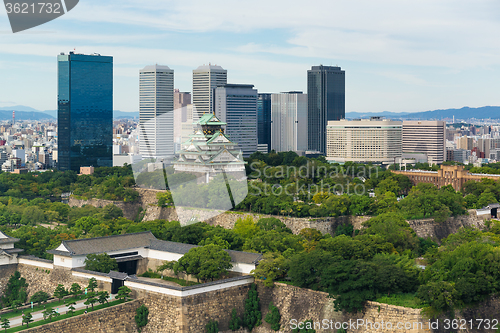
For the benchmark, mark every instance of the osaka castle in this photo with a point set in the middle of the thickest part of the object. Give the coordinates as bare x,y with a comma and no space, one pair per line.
209,152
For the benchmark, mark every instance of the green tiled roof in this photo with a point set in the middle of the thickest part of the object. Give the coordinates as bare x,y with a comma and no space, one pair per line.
209,119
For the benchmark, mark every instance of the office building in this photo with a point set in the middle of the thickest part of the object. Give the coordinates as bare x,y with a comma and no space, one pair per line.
205,80
85,111
181,101
465,142
425,137
326,102
289,121
264,122
156,116
236,105
364,140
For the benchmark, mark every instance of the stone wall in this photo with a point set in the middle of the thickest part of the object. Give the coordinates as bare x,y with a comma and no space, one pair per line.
119,318
130,209
199,309
303,304
5,273
165,313
429,228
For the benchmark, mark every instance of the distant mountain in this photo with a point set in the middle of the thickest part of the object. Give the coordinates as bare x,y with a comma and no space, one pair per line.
18,108
387,114
53,113
25,115
485,112
121,114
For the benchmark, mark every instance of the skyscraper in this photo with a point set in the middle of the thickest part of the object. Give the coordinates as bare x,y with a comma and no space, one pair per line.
289,121
425,137
156,116
205,80
85,111
264,120
181,101
326,102
236,105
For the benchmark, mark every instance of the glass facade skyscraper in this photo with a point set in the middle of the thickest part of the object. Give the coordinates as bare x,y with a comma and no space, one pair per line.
236,105
85,111
326,102
264,119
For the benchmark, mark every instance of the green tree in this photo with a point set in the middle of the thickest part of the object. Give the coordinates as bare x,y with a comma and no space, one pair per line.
252,316
5,324
271,268
351,283
273,317
235,322
75,289
123,293
91,299
393,228
32,215
49,314
27,318
86,223
141,316
102,297
60,292
71,307
92,284
164,198
39,297
486,198
207,262
245,227
15,290
212,327
15,305
272,223
100,263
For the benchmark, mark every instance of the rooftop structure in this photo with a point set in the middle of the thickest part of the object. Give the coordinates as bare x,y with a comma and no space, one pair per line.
209,151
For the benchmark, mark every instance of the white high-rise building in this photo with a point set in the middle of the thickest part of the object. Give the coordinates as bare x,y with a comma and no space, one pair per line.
374,140
289,121
156,117
236,105
205,80
426,136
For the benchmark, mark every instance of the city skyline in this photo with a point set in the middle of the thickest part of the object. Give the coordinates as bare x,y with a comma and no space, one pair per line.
400,57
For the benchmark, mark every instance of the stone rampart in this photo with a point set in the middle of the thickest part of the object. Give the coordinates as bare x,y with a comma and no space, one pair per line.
115,319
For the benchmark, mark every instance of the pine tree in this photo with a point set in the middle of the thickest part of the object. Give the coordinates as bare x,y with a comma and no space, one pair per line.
5,324
252,317
235,322
273,317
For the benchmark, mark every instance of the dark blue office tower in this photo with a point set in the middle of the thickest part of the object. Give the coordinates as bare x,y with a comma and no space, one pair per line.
326,102
85,111
264,120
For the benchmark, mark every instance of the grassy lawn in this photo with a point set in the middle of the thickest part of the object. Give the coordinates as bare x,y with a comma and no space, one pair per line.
64,316
154,275
182,282
39,308
406,300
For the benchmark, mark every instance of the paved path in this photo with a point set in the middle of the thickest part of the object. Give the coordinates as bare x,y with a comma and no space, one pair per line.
37,316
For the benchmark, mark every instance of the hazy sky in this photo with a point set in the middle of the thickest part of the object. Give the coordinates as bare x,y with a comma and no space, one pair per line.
399,55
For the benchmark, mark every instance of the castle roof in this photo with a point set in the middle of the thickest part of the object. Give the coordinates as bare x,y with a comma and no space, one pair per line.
144,239
209,119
